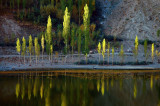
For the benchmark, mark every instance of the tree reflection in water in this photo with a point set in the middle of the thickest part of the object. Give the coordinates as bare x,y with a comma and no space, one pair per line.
82,89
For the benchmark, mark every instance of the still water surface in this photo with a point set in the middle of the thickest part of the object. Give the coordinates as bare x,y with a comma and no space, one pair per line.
53,89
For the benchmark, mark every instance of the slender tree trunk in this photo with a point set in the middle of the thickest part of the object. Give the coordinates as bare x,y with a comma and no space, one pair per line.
99,58
51,58
103,61
19,59
36,59
42,57
79,57
86,59
30,58
24,59
79,17
112,60
108,59
72,53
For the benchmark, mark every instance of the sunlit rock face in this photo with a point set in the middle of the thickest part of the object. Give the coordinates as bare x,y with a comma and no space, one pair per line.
128,18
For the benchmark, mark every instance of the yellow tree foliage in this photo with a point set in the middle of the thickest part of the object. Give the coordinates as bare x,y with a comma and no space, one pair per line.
103,48
108,52
112,54
30,46
49,30
86,23
152,49
99,50
157,53
18,47
136,48
23,46
42,44
66,28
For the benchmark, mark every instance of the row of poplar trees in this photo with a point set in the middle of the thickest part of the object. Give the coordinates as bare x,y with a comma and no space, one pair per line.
102,50
46,40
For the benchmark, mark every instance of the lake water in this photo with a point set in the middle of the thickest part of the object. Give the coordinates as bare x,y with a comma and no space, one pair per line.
82,89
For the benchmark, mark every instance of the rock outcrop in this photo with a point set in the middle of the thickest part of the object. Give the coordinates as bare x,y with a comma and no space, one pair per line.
129,18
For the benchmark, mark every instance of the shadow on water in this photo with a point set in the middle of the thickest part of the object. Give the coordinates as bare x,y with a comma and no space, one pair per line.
82,89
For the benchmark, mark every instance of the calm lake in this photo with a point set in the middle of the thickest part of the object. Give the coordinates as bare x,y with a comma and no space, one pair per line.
80,89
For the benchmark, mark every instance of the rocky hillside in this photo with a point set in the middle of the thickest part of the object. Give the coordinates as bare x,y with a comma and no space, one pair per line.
128,18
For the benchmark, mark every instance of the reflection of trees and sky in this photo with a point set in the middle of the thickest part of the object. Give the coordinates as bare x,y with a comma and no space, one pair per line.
80,90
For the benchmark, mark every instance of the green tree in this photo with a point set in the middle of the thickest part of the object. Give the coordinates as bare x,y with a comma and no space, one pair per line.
99,50
79,10
145,50
108,52
121,54
112,54
42,44
103,49
52,3
24,5
79,42
51,49
48,36
72,40
66,28
23,48
158,32
63,5
18,47
30,46
136,48
18,4
36,45
86,23
70,5
152,49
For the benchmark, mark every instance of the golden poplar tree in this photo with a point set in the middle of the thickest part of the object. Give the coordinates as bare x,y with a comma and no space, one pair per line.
112,54
103,49
30,46
42,44
86,23
18,47
66,28
36,47
136,48
152,49
24,48
48,36
99,50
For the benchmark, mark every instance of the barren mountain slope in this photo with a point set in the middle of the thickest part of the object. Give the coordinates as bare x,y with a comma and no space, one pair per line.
134,17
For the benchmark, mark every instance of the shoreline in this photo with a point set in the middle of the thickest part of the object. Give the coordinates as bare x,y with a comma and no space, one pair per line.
79,67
